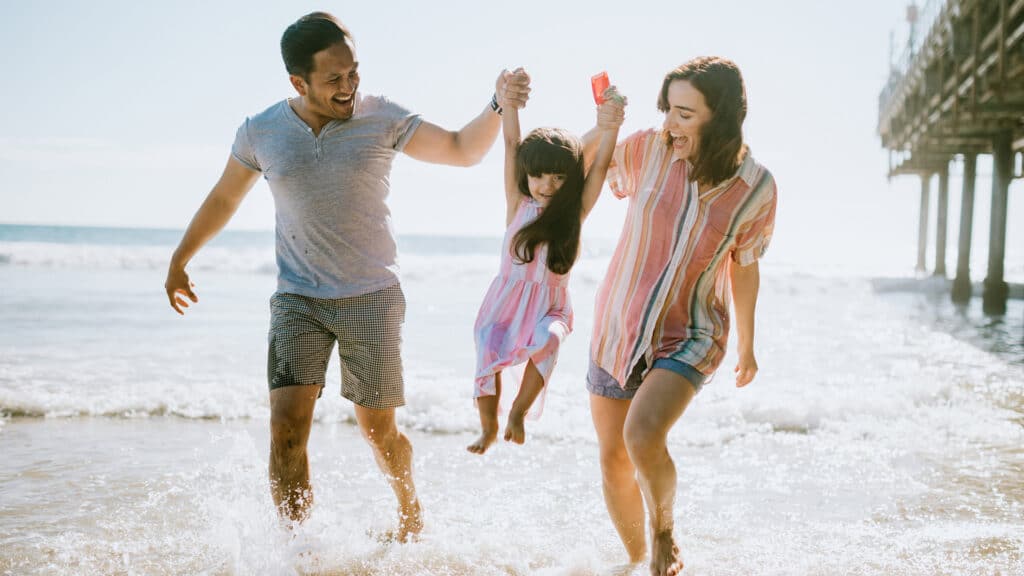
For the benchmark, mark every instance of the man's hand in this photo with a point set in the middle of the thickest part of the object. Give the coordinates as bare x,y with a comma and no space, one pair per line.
178,284
513,88
745,369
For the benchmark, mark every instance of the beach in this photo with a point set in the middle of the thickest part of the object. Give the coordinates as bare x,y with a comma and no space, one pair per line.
883,434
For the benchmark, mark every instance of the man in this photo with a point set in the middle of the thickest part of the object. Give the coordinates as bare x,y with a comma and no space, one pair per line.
327,157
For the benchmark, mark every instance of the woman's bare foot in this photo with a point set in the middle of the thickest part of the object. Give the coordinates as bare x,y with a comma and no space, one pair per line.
514,430
487,437
665,559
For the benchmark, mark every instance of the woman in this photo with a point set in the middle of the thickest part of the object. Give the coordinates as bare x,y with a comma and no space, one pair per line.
700,215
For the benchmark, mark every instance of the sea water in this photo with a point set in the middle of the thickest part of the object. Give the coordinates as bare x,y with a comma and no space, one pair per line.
884,433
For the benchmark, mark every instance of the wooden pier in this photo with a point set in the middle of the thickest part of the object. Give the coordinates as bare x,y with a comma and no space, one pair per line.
957,91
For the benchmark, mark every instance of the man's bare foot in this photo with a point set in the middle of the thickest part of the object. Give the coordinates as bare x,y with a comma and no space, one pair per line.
409,526
410,523
665,559
487,437
631,569
514,430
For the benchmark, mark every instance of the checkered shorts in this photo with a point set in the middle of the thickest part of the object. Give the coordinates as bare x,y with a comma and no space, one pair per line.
368,330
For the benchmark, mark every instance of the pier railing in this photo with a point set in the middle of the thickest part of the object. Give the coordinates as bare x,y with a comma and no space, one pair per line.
906,55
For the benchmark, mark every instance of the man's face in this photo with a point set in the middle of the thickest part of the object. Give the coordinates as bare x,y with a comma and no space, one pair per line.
331,88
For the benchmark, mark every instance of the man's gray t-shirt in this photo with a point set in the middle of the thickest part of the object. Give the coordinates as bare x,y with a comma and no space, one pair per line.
333,232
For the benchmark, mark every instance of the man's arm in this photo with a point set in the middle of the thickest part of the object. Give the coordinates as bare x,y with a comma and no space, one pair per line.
431,143
746,281
216,210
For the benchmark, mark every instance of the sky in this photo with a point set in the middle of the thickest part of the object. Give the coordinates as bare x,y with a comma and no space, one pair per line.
122,113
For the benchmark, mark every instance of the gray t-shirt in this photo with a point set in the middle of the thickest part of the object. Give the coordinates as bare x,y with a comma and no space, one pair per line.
333,229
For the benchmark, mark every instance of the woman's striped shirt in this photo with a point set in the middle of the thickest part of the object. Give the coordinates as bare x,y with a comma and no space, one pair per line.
666,293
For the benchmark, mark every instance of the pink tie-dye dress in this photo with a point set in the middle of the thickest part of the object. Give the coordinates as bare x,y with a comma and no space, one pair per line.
525,316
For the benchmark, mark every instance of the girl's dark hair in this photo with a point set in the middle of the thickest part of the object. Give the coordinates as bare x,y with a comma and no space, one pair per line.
551,151
310,34
721,147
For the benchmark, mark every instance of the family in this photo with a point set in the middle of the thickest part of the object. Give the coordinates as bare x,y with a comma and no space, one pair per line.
700,214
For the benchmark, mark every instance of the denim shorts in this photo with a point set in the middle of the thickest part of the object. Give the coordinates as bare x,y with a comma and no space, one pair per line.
603,384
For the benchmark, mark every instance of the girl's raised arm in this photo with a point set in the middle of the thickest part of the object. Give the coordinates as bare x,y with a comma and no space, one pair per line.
516,92
609,118
510,130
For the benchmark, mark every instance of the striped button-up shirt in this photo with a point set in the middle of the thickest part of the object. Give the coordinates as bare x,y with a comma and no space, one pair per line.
666,293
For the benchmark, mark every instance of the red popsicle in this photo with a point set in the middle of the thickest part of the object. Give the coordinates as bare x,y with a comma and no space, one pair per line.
599,83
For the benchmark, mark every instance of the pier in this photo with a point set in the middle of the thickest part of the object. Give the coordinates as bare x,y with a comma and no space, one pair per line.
956,91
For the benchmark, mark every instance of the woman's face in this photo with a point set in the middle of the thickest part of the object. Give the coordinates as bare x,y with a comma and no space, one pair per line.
687,114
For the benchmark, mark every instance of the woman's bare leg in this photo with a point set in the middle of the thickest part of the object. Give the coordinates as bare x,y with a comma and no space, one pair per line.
661,400
621,492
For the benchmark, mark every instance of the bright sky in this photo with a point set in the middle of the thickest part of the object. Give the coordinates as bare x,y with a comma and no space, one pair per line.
122,113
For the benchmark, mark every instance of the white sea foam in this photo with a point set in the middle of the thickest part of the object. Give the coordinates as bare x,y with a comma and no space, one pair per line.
874,440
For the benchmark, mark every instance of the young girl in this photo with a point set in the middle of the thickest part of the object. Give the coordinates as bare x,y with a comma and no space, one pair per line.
527,313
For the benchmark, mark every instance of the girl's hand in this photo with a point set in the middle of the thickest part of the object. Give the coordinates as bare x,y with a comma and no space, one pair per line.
745,369
612,112
513,89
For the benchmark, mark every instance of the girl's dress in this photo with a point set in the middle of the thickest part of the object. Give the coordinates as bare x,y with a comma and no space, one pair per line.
525,315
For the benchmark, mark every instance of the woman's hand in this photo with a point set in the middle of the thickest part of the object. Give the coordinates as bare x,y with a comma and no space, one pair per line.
745,369
612,112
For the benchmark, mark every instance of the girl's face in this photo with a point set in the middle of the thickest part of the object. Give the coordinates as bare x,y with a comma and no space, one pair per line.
687,114
544,186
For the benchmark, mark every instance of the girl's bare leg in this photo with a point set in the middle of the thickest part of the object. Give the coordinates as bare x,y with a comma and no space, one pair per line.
532,384
488,408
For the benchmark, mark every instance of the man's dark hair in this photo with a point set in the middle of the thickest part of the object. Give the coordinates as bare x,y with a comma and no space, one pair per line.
310,34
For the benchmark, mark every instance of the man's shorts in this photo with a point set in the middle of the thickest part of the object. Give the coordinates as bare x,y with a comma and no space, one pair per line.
603,384
368,330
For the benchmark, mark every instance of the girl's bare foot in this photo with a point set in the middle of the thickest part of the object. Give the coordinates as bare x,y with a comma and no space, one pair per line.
488,408
487,437
514,430
665,559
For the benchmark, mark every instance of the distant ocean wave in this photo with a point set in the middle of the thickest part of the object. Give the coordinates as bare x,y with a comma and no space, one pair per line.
231,251
114,257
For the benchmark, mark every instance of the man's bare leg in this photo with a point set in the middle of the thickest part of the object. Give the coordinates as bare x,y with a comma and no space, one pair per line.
291,415
656,407
621,492
393,453
529,389
488,408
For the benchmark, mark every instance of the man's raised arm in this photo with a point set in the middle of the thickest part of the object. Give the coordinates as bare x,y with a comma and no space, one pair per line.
431,143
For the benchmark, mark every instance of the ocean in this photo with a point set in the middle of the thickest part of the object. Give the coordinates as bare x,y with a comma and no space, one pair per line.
884,433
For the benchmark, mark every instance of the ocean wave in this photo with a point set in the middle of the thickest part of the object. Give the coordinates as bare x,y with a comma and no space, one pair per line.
108,257
414,268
